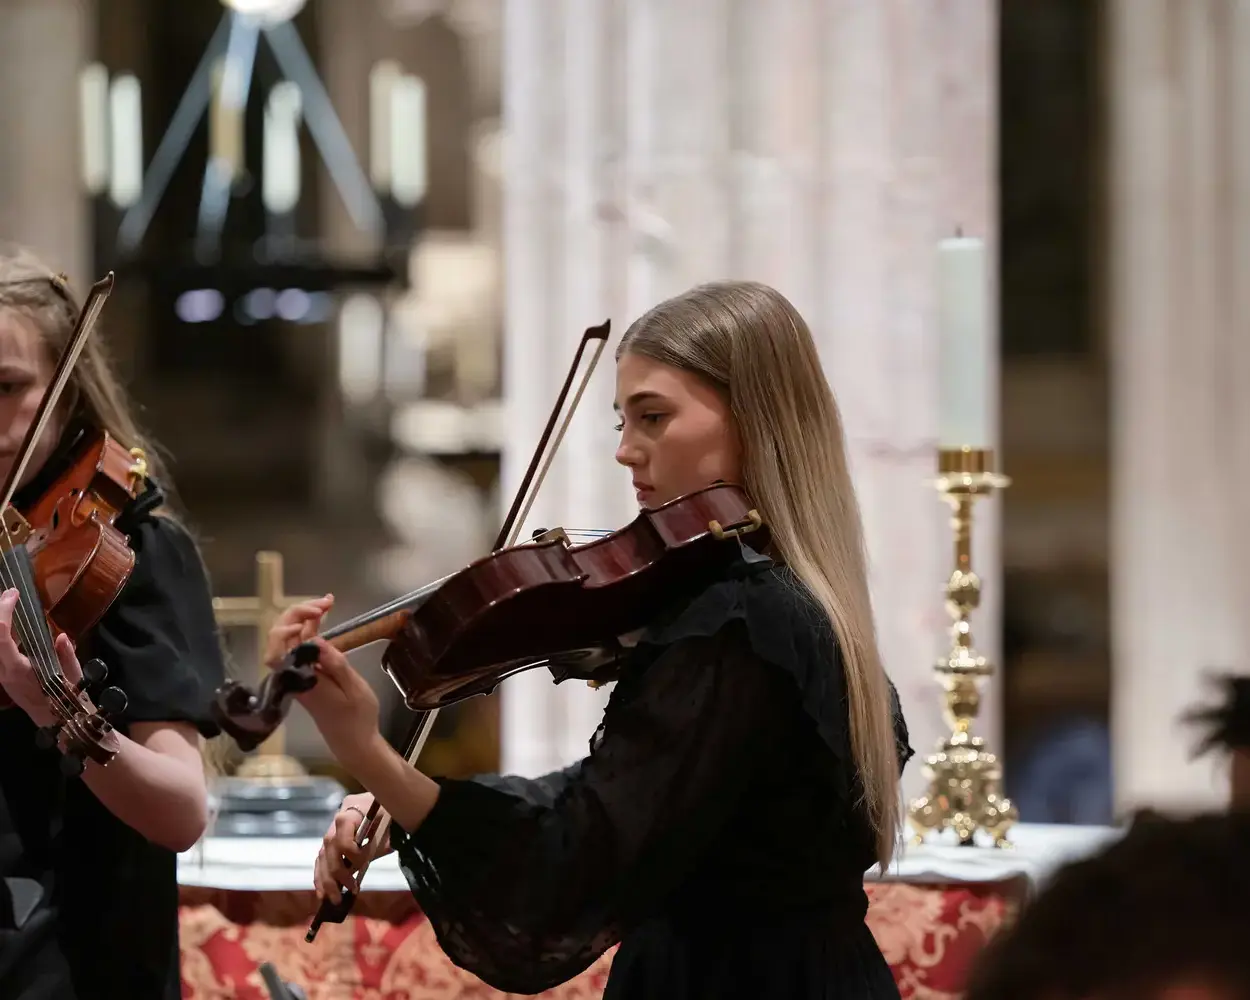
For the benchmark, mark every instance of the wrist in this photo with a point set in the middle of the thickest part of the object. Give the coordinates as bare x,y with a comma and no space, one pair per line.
364,759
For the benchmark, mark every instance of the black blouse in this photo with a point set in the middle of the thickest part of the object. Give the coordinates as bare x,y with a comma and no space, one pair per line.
713,830
88,906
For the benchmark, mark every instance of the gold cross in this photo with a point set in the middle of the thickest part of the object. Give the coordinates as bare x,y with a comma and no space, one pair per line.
261,611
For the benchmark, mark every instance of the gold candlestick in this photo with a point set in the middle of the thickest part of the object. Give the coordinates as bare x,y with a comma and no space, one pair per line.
963,775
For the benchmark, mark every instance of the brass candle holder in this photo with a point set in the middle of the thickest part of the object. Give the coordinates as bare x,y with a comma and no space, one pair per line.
964,777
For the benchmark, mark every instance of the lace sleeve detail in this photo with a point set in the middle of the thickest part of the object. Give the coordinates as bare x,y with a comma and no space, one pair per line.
526,883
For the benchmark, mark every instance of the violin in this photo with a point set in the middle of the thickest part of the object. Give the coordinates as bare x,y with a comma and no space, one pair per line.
64,554
543,603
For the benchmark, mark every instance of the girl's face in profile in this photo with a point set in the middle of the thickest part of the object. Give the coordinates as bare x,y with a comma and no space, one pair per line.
25,371
677,432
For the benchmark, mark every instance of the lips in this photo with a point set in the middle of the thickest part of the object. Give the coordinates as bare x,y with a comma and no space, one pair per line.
642,490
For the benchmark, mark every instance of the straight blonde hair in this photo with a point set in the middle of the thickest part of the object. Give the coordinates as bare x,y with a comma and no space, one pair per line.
747,339
95,396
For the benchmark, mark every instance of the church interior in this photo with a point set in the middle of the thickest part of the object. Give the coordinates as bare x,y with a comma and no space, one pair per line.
356,243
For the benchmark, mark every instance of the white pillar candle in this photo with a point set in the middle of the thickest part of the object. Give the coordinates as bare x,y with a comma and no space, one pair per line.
964,348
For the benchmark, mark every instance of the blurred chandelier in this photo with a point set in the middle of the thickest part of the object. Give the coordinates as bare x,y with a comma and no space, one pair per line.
382,207
220,87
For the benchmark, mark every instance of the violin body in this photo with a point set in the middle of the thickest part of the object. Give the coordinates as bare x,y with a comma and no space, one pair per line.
540,604
79,559
549,600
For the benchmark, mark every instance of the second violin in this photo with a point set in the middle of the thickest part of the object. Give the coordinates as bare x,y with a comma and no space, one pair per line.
61,551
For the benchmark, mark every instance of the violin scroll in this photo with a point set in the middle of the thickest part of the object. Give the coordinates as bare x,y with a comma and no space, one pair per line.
249,718
82,730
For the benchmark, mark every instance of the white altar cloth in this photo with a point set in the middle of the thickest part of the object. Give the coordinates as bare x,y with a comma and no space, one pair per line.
263,864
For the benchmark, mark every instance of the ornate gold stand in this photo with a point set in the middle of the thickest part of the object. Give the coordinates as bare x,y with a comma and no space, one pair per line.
964,777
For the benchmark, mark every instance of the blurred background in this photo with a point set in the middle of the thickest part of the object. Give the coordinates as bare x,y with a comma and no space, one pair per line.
356,241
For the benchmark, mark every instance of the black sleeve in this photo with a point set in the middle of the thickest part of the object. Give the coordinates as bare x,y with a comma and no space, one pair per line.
159,639
527,883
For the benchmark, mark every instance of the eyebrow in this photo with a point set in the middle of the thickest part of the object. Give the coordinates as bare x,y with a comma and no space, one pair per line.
638,397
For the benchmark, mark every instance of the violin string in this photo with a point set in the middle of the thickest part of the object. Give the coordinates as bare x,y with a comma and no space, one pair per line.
42,634
20,617
36,641
587,532
32,626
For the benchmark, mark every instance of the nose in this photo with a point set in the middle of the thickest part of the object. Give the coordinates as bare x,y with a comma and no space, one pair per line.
628,455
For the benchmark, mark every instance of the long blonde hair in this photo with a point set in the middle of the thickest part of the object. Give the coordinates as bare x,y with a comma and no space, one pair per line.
94,395
748,340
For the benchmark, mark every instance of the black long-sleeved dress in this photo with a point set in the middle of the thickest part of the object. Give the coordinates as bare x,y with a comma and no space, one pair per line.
712,830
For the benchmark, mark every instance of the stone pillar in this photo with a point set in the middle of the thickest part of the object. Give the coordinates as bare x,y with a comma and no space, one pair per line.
43,46
824,148
1179,249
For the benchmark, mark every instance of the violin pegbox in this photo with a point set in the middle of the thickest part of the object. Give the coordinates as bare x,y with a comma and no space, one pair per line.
83,730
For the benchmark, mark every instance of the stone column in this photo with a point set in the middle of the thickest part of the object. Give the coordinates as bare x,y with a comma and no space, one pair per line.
1179,249
43,46
824,148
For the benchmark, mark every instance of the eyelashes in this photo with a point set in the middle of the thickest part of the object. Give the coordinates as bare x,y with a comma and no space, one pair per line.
650,419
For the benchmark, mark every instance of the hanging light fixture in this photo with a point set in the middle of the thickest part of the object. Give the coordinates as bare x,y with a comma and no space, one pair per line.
269,11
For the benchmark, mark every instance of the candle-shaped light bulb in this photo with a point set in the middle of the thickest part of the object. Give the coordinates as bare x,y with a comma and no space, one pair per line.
281,170
126,141
381,88
408,140
93,89
964,344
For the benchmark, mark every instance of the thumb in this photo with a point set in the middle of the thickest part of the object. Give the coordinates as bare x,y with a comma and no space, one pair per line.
331,664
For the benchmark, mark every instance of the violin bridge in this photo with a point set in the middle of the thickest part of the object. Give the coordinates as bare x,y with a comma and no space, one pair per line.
551,535
16,529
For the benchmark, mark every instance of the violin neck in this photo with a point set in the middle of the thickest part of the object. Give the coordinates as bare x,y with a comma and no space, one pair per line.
382,622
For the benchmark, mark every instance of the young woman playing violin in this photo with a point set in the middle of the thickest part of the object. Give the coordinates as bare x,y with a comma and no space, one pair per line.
88,884
746,772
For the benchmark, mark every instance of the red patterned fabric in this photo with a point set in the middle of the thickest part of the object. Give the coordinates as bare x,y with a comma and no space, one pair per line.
386,950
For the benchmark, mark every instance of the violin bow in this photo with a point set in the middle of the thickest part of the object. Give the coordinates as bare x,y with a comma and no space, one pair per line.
371,833
33,630
87,318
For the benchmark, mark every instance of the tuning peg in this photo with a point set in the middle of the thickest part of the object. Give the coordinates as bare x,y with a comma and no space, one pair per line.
72,765
94,673
112,701
46,736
